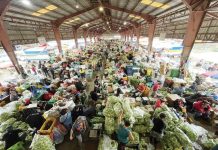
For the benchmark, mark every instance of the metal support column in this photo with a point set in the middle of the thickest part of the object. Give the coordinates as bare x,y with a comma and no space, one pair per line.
75,37
151,31
137,32
4,38
196,17
6,43
85,36
57,35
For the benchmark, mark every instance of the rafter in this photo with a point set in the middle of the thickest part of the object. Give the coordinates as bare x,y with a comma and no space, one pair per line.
4,6
59,21
146,17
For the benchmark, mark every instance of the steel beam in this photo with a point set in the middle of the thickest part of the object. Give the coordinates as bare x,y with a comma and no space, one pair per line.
137,32
4,38
57,36
6,43
75,37
151,31
144,16
59,21
85,33
194,23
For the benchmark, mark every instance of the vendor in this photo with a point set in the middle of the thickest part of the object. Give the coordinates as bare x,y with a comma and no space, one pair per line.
160,102
78,128
94,95
66,118
143,89
82,73
123,133
202,110
158,129
11,137
179,90
155,88
179,105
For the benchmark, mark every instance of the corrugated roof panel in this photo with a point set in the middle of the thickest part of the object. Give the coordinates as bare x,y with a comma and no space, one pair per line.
213,30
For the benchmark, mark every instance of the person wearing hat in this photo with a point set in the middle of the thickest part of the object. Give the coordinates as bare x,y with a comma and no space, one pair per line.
159,103
202,110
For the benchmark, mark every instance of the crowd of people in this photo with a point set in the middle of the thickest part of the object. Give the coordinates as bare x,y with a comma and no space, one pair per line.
62,82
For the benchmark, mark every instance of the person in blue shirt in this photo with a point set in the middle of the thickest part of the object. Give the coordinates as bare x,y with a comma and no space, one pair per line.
66,119
123,133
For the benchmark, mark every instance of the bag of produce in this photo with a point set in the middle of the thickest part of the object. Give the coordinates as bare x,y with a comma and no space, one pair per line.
136,138
42,142
112,100
182,137
109,125
109,112
117,109
97,120
188,131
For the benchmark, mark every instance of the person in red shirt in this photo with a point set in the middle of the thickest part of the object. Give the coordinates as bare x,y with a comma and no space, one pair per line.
159,103
155,88
141,87
202,110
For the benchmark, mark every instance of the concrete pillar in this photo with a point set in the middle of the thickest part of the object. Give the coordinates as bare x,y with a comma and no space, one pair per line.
195,20
57,35
151,31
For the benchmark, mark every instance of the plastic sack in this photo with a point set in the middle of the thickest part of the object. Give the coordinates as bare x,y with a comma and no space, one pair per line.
109,112
186,128
106,143
57,136
138,112
109,125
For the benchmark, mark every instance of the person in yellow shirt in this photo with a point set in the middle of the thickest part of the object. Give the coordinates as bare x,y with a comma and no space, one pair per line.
82,73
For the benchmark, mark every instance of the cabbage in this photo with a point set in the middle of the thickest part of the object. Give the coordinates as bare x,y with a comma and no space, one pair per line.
189,132
209,143
113,100
108,112
42,142
136,138
182,137
109,125
139,129
117,108
126,108
97,120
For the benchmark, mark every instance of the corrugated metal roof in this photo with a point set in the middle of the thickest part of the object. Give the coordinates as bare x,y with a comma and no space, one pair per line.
171,15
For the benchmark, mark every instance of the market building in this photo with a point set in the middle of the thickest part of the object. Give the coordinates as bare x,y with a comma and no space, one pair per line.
108,74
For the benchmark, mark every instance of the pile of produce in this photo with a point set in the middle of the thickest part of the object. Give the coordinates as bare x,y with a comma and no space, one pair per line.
97,120
42,142
138,116
105,143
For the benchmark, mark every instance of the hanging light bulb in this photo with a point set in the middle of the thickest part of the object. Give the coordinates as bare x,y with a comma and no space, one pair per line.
77,6
101,8
125,23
